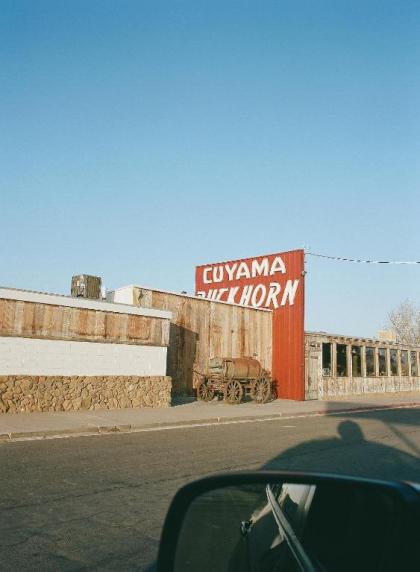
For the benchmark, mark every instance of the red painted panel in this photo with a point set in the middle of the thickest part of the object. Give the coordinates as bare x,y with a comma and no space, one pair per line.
288,340
274,282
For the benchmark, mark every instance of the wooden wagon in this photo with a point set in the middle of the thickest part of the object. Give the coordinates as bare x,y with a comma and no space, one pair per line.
233,378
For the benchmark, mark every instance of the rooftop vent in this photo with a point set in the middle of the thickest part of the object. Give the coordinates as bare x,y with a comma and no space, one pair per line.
86,286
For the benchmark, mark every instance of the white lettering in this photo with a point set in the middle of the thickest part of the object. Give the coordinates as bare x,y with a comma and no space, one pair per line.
243,271
221,292
212,293
201,294
261,291
277,266
259,268
273,292
232,293
246,295
206,272
218,278
289,292
231,269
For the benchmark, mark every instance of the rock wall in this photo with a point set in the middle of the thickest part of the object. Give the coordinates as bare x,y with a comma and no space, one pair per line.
341,386
24,393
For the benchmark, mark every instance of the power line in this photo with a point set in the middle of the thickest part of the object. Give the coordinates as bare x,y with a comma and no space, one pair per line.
363,261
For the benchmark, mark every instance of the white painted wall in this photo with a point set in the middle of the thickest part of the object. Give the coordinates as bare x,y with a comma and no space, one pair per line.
24,356
124,295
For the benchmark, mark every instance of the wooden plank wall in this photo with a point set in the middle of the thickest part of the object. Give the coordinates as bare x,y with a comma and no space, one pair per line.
45,321
201,329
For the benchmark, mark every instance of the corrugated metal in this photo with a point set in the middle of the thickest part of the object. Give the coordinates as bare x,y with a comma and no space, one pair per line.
201,330
288,336
44,321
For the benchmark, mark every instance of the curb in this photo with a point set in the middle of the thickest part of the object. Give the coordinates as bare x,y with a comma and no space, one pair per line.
91,430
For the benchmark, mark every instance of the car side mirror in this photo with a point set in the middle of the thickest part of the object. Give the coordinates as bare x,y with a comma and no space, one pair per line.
287,522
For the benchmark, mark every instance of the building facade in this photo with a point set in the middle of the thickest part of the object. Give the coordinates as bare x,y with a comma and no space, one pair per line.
333,365
201,329
342,365
59,353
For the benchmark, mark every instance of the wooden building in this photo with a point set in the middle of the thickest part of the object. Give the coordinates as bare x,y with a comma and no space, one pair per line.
334,365
60,353
341,365
201,329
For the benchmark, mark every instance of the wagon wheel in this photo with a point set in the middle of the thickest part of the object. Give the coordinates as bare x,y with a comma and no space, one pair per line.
204,391
233,391
261,390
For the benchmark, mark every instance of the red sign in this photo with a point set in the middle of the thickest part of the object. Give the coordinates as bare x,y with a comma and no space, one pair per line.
274,282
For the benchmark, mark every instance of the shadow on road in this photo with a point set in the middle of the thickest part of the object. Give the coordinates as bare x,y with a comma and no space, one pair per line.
390,417
349,452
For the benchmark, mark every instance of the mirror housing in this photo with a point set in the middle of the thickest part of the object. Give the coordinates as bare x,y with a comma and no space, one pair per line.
247,521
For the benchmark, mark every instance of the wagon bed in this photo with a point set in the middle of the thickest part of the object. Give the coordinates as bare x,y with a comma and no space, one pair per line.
234,378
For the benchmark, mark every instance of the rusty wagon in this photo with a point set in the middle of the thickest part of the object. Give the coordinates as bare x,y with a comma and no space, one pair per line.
233,378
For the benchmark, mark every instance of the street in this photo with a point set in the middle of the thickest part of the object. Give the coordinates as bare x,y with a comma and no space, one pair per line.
98,503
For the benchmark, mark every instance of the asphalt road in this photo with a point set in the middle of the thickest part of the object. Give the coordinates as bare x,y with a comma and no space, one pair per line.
98,503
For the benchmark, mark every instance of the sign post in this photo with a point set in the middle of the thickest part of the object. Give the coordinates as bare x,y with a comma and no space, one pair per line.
274,282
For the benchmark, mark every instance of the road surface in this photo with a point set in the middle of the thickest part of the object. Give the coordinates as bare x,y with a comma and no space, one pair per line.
98,503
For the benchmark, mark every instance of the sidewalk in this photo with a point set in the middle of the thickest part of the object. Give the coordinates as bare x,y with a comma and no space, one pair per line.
76,423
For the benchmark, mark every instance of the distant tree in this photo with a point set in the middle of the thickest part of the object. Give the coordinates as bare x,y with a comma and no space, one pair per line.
405,321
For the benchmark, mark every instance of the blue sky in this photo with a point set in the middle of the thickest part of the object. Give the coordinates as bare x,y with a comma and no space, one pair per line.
139,139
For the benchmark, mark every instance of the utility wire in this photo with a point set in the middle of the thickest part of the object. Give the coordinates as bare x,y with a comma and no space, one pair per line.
363,261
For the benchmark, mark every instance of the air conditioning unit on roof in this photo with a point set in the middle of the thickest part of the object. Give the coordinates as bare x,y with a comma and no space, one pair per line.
86,286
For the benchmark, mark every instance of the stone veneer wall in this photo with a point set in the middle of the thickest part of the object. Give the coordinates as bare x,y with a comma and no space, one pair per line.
342,386
24,393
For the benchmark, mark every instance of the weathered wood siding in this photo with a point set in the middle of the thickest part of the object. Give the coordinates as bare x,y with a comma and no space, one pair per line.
45,321
321,386
201,329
